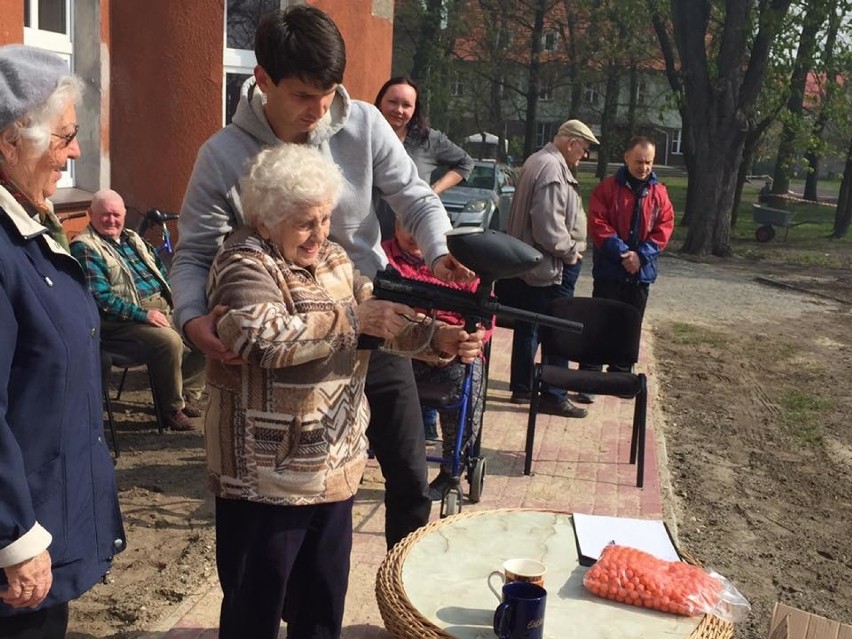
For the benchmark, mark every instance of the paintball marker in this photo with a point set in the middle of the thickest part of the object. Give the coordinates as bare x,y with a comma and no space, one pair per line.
492,256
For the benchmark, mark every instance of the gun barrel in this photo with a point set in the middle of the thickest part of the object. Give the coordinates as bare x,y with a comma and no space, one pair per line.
541,319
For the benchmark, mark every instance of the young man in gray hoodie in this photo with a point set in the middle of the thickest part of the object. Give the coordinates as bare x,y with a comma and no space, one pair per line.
296,97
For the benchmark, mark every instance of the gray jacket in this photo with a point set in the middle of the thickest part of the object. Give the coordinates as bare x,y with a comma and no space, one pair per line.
547,213
371,158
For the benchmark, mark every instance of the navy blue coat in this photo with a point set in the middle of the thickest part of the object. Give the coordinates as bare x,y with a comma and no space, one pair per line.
55,468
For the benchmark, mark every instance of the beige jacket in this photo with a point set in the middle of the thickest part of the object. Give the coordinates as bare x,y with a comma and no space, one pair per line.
289,426
547,213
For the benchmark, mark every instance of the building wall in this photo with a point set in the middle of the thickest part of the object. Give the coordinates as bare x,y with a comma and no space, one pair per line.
154,78
367,29
165,95
12,24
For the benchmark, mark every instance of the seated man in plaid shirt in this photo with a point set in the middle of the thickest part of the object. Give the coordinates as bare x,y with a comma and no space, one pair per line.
128,282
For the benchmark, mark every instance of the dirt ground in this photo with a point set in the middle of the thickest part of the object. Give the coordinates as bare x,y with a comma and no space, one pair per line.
754,382
760,448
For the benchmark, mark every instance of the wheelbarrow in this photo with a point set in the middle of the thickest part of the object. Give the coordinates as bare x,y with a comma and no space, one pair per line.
768,218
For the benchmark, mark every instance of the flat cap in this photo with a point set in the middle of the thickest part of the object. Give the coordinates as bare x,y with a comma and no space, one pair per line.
576,129
28,76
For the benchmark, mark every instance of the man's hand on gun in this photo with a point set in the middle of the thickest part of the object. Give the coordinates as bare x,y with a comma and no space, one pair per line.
449,269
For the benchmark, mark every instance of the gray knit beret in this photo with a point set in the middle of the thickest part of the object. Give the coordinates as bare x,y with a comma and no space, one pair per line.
28,76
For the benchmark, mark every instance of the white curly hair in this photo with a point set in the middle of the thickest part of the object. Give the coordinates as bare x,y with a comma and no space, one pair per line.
285,179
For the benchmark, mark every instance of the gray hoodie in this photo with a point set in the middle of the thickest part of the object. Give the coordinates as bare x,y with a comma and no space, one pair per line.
371,158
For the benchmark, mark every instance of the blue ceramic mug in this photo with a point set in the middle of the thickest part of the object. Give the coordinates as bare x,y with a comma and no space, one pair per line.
521,615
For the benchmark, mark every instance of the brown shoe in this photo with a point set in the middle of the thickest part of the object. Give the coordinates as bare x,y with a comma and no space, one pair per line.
192,410
179,421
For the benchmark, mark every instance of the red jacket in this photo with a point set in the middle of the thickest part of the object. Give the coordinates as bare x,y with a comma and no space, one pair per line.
610,213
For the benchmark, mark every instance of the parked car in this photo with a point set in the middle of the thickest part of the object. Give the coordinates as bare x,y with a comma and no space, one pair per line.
484,198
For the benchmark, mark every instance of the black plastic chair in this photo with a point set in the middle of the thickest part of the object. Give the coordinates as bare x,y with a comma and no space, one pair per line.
110,359
610,336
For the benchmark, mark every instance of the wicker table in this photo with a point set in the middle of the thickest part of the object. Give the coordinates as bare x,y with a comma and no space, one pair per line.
433,583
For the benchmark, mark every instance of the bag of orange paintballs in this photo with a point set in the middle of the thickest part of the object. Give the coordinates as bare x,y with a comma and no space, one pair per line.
634,577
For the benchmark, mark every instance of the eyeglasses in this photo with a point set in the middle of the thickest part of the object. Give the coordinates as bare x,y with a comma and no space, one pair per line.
67,138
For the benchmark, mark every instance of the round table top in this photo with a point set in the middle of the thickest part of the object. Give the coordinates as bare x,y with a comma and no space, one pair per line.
443,573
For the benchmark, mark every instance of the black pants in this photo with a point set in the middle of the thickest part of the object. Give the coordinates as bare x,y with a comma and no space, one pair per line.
47,623
396,437
632,293
282,561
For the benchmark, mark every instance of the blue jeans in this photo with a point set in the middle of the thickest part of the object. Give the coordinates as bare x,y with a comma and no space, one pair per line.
525,339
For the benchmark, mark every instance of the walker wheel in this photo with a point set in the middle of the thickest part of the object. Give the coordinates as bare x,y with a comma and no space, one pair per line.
451,503
765,233
476,480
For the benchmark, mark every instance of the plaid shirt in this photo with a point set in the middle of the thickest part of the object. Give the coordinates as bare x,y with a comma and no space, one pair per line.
112,307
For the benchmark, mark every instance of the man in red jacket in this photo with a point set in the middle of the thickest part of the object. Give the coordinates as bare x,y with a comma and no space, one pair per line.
630,222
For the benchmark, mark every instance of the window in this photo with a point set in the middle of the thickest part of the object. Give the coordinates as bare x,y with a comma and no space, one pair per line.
241,19
48,25
457,86
592,96
544,132
545,92
676,142
548,40
641,92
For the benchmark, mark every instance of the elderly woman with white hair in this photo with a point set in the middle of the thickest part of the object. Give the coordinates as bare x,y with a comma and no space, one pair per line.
59,520
285,432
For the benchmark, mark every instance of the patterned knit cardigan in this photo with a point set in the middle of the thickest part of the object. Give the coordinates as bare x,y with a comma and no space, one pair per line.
289,426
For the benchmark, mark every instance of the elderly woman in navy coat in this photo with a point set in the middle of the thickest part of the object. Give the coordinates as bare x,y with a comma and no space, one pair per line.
59,520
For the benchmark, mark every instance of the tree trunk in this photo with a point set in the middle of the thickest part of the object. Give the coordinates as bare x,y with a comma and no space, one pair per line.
427,44
787,147
812,156
812,179
715,183
843,213
608,121
534,81
719,95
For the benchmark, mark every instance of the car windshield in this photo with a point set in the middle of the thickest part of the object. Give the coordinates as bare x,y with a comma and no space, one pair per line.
482,177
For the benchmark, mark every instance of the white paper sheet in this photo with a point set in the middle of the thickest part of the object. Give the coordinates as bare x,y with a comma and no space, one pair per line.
594,532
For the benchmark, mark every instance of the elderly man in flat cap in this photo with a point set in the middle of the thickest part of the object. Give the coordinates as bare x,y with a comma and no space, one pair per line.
547,213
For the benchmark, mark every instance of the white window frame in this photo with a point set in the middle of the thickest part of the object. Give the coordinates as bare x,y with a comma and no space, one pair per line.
242,61
677,142
62,44
545,91
592,95
457,86
549,40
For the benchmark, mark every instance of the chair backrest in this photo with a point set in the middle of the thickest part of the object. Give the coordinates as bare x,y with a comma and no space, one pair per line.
611,331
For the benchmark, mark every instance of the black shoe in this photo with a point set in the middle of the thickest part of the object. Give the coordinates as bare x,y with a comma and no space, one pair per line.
439,485
550,405
431,432
520,397
584,398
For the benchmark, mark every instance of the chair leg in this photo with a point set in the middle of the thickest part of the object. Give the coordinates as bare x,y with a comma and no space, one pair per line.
536,390
121,384
640,423
158,409
111,422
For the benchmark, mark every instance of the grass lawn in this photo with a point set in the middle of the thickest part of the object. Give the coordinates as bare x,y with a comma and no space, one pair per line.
806,245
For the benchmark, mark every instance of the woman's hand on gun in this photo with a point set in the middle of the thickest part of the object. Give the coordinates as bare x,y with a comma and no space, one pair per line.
383,319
